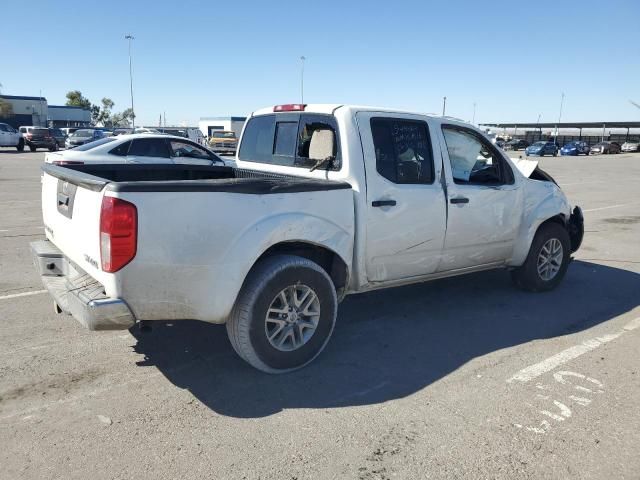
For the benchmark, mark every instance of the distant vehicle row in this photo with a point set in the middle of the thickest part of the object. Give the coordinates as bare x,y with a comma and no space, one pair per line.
540,149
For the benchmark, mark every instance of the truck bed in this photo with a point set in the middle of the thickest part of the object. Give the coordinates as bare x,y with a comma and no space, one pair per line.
184,178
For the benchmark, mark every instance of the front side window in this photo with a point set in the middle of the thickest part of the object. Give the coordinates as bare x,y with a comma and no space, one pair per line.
403,150
473,159
181,149
149,147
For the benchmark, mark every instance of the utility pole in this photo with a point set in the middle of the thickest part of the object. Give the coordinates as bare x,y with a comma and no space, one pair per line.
538,126
473,121
444,105
559,116
133,115
302,59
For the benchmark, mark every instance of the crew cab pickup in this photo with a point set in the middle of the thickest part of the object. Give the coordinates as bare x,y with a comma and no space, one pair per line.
324,201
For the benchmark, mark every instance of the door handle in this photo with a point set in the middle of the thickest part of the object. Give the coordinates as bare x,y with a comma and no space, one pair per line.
459,200
383,203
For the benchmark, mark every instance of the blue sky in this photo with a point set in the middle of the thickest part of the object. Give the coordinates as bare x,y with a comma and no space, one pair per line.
193,59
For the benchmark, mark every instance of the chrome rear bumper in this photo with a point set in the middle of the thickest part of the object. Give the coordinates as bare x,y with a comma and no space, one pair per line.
76,293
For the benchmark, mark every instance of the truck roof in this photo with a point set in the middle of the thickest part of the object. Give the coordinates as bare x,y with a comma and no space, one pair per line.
330,108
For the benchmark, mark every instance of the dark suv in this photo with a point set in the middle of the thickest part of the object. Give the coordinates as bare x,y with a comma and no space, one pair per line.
38,137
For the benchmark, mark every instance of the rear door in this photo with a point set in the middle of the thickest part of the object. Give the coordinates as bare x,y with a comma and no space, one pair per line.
148,150
405,213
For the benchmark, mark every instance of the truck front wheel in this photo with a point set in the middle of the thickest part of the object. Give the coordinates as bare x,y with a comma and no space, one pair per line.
547,261
284,314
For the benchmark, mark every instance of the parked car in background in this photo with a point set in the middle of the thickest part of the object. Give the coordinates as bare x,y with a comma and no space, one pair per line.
540,149
147,130
223,142
82,136
192,133
122,131
137,148
604,147
59,135
38,137
69,130
516,144
575,148
10,137
632,146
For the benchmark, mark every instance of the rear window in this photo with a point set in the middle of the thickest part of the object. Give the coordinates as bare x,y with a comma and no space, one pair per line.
284,139
224,135
90,145
83,133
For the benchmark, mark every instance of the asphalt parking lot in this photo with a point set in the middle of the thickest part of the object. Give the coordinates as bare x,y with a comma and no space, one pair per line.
465,377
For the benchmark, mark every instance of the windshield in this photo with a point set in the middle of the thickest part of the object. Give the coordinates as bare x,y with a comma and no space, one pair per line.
97,143
224,135
83,133
40,131
539,144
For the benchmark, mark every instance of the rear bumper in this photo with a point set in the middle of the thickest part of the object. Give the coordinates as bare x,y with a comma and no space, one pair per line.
76,293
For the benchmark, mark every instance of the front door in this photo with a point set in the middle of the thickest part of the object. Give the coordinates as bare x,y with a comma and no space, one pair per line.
485,203
405,212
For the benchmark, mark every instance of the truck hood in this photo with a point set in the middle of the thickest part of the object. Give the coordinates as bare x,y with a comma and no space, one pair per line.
526,167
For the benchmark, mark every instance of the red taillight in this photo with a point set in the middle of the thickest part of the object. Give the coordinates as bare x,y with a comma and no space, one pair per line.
118,233
290,107
29,135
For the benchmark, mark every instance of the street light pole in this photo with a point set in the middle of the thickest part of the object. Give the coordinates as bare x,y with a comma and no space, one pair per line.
473,121
559,116
302,59
444,105
133,115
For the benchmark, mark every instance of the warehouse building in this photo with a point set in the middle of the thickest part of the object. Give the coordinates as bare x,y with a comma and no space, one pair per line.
66,116
208,124
24,111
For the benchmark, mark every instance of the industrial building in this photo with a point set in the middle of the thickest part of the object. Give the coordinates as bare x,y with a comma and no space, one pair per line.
66,116
25,111
208,124
36,111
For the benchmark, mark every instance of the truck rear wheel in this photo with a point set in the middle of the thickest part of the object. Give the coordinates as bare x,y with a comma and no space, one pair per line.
547,261
284,314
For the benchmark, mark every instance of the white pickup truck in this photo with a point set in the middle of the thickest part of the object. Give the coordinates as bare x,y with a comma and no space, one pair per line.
324,201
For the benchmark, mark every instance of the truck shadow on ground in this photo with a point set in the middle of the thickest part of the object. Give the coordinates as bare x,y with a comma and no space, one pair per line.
392,343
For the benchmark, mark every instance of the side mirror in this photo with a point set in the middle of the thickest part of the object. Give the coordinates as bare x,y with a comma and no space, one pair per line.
322,145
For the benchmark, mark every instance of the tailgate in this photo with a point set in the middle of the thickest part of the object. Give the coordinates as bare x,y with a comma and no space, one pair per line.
71,214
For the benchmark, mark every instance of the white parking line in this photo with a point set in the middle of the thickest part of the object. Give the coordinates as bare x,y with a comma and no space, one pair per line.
610,206
23,294
534,371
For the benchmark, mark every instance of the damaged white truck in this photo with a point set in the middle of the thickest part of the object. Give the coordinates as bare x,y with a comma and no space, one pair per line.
324,201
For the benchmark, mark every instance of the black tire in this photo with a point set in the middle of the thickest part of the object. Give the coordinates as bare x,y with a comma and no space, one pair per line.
526,276
246,326
32,148
54,148
20,146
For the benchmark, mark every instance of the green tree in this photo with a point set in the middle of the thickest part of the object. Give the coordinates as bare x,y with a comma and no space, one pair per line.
6,109
122,119
76,99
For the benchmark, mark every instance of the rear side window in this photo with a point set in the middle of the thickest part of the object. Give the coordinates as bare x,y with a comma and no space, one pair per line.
284,139
94,144
149,147
121,150
257,142
403,150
